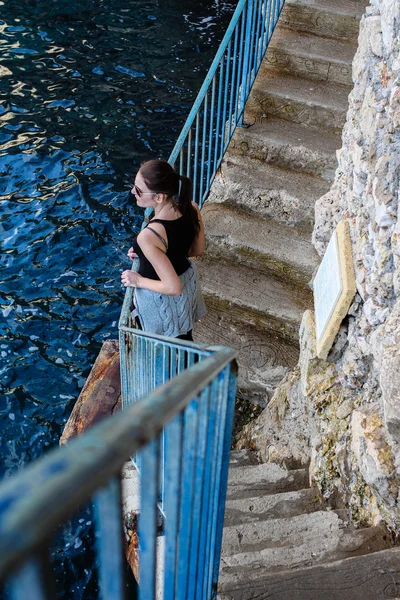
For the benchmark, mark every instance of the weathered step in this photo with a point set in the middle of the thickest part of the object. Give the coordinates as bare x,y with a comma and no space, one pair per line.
244,238
326,18
270,192
293,542
271,506
264,357
267,478
242,458
373,576
309,56
289,146
298,100
253,296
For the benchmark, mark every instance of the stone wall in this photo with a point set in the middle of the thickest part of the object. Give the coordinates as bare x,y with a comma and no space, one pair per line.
343,415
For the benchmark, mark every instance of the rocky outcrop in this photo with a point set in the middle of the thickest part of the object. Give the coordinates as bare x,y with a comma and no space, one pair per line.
350,404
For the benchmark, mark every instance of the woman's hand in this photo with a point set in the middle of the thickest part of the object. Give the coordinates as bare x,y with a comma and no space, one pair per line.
132,254
131,279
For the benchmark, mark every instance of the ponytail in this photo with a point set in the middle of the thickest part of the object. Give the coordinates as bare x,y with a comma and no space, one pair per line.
185,202
161,178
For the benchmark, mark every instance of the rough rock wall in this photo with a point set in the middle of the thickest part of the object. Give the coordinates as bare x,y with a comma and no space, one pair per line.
343,414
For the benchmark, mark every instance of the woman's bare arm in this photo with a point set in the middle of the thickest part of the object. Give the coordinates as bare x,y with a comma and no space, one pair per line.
154,251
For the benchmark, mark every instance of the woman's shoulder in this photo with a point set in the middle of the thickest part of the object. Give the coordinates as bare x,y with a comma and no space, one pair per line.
153,234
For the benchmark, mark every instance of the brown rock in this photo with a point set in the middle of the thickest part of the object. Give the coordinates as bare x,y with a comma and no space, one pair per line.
101,394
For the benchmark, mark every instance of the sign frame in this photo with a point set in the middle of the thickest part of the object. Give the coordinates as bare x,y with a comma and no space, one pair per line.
336,271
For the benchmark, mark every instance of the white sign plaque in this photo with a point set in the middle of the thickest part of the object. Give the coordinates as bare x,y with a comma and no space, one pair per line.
327,286
334,288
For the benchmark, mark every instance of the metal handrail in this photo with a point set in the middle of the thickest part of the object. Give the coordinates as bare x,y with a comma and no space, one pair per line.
70,475
219,106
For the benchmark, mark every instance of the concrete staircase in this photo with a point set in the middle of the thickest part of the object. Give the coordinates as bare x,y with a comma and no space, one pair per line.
259,216
279,543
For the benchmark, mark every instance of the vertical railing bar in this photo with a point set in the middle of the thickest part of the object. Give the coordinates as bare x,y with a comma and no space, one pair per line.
249,81
203,149
196,157
190,428
173,442
124,369
214,445
230,410
181,161
142,366
242,48
211,131
109,540
197,513
182,360
190,360
278,8
262,35
220,88
166,368
223,387
257,36
150,460
189,153
28,582
272,18
224,131
159,379
235,50
206,495
145,370
173,359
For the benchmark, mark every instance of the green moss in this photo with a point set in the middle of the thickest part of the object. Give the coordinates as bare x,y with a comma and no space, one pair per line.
268,263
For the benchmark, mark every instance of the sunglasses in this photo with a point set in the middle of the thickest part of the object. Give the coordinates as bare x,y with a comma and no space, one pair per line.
138,192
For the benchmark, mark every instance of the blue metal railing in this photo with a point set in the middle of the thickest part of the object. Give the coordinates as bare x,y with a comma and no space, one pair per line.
148,361
194,412
219,106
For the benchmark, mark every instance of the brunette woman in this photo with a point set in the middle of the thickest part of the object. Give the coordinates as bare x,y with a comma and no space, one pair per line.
167,293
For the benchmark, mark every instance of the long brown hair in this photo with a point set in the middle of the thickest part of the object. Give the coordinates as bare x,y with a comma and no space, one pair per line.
161,178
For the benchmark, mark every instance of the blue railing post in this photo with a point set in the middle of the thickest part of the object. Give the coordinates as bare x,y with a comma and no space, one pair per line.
246,62
109,540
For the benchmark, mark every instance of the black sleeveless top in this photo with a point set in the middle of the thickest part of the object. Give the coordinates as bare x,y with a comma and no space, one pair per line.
180,236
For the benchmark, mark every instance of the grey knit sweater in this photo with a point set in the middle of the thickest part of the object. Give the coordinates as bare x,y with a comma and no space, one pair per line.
171,315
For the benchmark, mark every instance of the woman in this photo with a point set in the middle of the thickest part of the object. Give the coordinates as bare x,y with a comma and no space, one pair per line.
167,293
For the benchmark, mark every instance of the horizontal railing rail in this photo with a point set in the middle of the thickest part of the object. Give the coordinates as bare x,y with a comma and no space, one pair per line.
196,410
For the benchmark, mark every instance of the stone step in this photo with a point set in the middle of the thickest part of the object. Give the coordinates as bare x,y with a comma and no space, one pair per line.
374,576
271,192
266,478
272,506
253,297
289,146
309,56
294,542
326,18
243,238
264,357
242,458
298,100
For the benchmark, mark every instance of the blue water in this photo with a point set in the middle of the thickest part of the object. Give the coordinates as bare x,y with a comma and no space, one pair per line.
88,90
